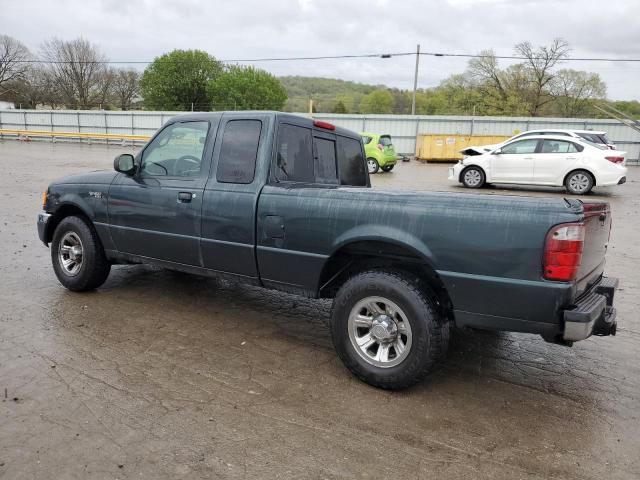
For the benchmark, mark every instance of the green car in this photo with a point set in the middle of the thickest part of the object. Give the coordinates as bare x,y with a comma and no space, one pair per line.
379,151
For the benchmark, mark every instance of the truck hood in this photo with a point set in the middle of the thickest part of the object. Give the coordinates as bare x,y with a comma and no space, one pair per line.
98,177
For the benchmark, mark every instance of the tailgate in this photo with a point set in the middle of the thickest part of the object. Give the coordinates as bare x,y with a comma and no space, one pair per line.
597,223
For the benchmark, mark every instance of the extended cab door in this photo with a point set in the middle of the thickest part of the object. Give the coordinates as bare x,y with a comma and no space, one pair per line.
231,195
296,226
156,212
515,162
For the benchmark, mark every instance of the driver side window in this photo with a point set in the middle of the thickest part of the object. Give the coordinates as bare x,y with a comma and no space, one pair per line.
176,151
520,147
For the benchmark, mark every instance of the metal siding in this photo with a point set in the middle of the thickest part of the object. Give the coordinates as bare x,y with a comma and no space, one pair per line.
403,128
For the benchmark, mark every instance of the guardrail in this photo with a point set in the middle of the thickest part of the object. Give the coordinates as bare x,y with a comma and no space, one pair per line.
26,134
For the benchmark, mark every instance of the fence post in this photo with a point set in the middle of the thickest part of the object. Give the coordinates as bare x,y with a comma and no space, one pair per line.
24,115
133,131
364,123
0,124
78,119
53,138
415,140
106,127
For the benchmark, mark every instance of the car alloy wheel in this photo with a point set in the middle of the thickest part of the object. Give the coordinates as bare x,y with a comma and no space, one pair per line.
579,182
379,332
70,254
472,177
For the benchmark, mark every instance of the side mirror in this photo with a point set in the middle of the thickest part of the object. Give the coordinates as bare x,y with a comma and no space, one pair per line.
124,164
498,151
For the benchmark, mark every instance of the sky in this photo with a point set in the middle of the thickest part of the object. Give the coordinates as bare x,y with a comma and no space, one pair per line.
140,30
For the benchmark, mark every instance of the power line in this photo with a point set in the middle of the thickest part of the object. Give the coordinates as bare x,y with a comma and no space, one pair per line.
340,57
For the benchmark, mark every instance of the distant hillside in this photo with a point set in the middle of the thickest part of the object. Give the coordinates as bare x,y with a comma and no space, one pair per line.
326,93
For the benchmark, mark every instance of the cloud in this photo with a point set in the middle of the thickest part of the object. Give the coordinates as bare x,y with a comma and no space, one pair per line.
144,29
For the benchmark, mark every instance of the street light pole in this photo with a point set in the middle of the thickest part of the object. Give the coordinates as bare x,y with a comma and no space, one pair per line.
415,82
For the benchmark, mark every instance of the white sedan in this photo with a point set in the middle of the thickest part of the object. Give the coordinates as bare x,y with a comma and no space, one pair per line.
577,164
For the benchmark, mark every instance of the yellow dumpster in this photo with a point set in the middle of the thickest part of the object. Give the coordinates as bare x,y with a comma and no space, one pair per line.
446,148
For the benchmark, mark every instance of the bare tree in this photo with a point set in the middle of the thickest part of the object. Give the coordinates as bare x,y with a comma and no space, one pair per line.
76,67
539,63
490,81
13,59
126,87
104,87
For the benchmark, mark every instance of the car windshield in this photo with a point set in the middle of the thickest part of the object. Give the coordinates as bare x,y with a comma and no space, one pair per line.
385,140
592,144
593,137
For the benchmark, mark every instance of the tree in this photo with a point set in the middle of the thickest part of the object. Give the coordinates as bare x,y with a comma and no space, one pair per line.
104,88
179,80
13,59
126,87
339,107
378,101
539,63
34,88
573,91
76,68
246,88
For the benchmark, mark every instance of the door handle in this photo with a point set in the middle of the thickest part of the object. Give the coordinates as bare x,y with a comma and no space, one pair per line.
185,197
527,158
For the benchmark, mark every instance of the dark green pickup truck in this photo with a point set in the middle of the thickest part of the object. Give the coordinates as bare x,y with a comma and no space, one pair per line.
283,202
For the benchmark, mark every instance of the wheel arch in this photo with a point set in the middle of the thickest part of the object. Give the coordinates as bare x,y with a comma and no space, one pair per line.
581,169
364,253
64,210
467,167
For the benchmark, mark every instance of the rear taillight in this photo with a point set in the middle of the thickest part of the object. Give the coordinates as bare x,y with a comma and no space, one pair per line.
563,252
616,159
380,146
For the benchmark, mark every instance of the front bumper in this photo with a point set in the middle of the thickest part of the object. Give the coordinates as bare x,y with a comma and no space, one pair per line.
43,223
593,314
454,172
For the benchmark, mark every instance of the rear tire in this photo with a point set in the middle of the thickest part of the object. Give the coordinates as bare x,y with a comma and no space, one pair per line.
387,168
372,165
579,182
77,255
473,177
386,328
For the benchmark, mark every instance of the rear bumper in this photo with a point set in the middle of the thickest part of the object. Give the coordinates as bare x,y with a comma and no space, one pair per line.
593,314
43,223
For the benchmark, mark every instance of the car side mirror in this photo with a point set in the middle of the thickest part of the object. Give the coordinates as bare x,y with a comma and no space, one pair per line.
124,164
497,152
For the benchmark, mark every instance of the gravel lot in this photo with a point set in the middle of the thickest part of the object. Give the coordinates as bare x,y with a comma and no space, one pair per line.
162,375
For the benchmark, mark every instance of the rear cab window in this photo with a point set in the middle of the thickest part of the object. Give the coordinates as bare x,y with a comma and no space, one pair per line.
307,155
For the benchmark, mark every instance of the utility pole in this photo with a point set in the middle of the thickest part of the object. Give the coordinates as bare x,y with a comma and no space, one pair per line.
415,82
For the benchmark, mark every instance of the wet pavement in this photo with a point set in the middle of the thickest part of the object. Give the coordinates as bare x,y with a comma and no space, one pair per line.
163,375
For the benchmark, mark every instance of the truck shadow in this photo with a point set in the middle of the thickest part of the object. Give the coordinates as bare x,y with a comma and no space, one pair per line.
215,309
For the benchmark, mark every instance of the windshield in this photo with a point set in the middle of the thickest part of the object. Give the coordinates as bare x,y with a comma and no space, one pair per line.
593,144
385,140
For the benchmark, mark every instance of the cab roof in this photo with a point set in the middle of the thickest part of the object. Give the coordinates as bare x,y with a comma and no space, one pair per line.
278,116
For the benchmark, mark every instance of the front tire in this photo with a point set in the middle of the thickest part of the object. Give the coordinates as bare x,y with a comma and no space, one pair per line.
473,177
77,255
387,168
579,182
386,328
372,165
